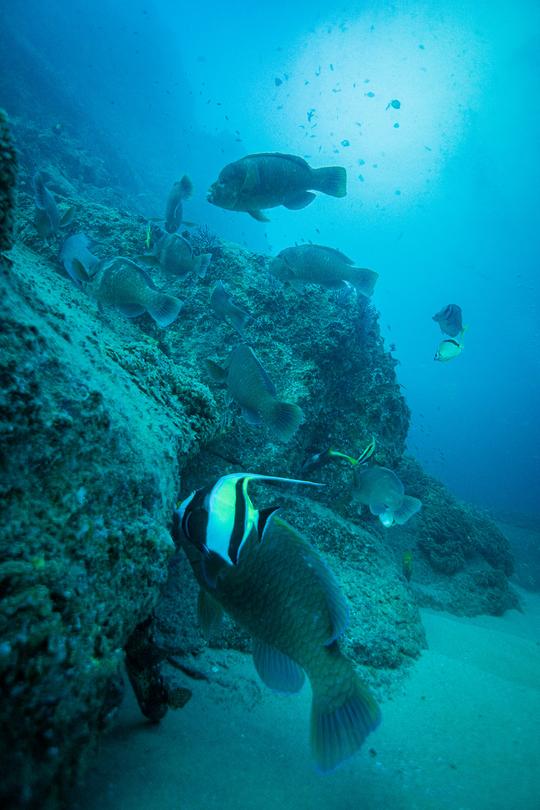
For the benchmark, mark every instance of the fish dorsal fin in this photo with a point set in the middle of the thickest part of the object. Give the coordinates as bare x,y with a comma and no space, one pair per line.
276,669
338,607
293,158
264,516
337,254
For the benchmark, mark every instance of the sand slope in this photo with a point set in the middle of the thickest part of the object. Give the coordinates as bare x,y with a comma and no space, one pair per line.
463,734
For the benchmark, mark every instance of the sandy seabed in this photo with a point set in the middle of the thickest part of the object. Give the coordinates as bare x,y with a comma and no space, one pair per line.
463,733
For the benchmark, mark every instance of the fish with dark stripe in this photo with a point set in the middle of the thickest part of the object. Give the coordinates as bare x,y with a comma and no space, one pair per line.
219,518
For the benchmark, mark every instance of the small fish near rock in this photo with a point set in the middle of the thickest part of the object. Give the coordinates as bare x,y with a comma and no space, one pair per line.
250,386
325,266
123,285
174,254
257,568
450,348
269,179
48,219
223,305
381,490
174,211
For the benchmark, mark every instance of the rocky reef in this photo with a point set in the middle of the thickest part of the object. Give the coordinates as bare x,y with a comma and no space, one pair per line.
105,420
8,178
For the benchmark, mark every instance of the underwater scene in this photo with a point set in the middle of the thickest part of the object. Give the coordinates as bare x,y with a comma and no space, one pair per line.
269,405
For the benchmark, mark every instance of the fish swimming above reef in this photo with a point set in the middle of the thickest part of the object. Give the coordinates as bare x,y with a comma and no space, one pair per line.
250,386
272,581
450,348
223,305
48,219
381,490
317,264
123,285
174,254
80,264
269,179
174,211
450,320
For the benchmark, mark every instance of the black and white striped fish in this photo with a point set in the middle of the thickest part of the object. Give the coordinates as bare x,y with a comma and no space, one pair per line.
218,519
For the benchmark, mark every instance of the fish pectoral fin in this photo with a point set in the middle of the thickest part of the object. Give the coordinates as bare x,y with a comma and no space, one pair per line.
209,613
276,669
300,200
408,508
251,416
130,310
257,214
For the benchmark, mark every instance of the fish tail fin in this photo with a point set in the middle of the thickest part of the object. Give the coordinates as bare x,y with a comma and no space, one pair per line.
343,713
409,507
331,180
462,331
363,280
186,187
164,309
202,263
283,418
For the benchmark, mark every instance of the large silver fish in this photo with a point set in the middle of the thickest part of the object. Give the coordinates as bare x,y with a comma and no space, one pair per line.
268,578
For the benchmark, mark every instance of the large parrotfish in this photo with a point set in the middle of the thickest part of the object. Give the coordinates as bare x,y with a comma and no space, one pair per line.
268,578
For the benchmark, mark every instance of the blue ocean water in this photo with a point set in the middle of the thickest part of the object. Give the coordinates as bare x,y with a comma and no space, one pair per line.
442,191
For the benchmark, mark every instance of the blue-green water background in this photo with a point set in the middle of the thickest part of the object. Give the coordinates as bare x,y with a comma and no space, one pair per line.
444,206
